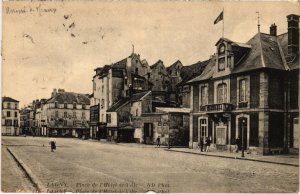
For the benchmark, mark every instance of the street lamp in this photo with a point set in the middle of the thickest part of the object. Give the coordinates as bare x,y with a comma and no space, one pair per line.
243,122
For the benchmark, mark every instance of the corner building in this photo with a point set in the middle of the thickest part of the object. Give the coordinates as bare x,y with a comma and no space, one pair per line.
250,91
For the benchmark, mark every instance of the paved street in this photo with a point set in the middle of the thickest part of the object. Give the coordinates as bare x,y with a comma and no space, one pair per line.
87,166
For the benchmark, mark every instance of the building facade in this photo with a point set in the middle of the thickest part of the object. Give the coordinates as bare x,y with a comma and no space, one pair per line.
10,117
65,114
249,91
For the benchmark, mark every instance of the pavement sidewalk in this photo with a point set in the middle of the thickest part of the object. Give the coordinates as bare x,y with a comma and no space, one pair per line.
288,159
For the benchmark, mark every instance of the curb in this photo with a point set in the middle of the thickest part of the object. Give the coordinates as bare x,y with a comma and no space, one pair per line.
33,179
239,158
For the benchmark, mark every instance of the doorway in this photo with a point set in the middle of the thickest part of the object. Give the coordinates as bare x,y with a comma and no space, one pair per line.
148,133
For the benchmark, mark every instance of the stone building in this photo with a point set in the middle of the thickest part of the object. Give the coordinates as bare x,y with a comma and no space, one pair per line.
250,91
65,114
114,82
175,78
10,124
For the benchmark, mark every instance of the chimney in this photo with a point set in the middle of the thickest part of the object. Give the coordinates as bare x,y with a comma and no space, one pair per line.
53,93
293,34
273,30
61,90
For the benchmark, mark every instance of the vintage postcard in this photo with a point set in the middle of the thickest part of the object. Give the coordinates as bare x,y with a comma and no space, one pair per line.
157,97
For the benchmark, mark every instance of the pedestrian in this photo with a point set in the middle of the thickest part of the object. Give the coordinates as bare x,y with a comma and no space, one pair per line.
52,144
158,141
237,145
201,144
208,141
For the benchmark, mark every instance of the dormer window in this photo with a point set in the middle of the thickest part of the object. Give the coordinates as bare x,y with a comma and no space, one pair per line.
222,49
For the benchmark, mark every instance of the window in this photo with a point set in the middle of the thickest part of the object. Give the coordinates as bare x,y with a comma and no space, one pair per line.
15,123
8,113
242,90
74,114
74,105
65,114
108,118
56,104
16,114
56,113
83,115
8,105
74,122
83,106
204,95
136,70
8,122
222,93
16,106
137,112
102,89
203,128
65,122
65,105
221,65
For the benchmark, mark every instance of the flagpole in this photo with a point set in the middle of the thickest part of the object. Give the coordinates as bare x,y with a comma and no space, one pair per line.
223,24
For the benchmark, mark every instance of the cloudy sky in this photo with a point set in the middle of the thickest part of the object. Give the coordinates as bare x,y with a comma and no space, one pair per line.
50,45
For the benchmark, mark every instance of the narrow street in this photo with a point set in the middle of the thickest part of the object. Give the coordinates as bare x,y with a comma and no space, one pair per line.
87,166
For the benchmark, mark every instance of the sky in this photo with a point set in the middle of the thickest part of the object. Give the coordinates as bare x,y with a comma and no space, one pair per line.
58,44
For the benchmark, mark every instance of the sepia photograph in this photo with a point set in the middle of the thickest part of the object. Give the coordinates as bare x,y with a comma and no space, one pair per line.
180,96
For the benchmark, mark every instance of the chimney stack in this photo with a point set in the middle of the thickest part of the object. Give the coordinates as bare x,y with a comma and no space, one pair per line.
54,93
273,30
293,34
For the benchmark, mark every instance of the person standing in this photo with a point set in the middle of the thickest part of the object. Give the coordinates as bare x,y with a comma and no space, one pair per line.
158,141
201,144
237,145
208,141
52,144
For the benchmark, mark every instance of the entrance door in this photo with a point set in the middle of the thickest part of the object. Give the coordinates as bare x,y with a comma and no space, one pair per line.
221,135
243,130
148,133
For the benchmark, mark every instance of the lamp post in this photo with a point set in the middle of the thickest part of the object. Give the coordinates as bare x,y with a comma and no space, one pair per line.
243,122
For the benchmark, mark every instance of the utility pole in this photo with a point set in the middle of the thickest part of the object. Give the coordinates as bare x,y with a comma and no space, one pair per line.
243,122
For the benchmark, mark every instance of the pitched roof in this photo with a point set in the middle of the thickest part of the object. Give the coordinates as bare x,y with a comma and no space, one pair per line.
207,73
157,63
70,98
189,72
124,101
8,99
169,69
265,51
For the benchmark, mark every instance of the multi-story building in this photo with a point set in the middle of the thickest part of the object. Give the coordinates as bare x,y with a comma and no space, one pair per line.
65,114
10,116
114,82
249,91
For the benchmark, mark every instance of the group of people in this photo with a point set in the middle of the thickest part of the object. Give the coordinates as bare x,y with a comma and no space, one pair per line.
207,144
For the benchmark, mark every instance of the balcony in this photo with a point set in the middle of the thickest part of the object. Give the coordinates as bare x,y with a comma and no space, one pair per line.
223,107
243,104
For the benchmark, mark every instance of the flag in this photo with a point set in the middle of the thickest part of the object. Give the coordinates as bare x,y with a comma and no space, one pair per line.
219,18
